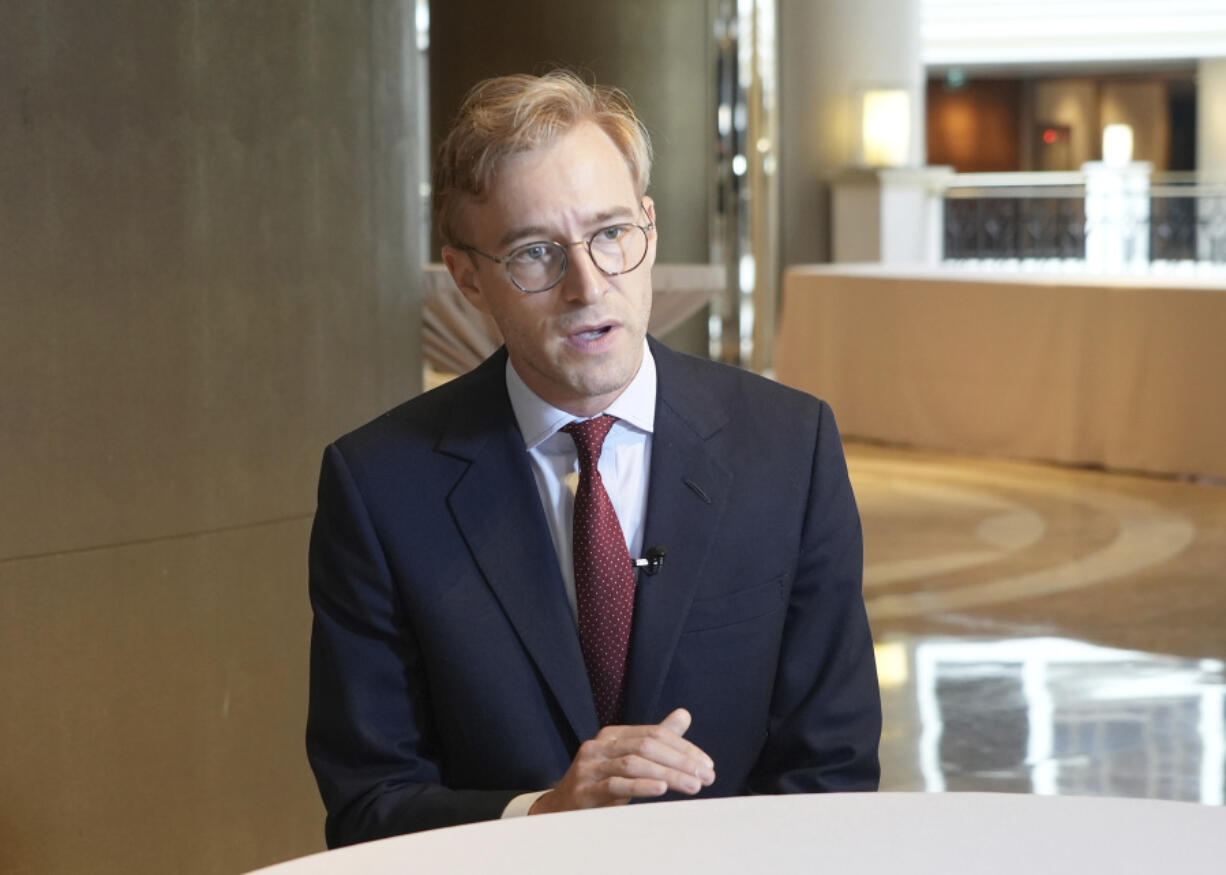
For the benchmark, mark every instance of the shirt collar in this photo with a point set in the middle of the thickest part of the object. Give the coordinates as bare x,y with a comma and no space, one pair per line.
539,420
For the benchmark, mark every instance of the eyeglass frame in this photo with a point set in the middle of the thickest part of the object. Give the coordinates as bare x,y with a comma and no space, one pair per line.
587,243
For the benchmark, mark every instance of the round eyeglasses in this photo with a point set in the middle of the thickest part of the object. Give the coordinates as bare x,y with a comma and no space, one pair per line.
540,265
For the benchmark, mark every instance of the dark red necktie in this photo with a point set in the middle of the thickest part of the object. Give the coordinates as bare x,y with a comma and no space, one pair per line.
604,575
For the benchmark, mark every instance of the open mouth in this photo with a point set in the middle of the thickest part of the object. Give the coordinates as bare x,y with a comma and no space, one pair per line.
593,333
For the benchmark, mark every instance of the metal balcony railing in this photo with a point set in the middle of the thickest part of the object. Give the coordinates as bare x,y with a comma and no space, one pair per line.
1102,218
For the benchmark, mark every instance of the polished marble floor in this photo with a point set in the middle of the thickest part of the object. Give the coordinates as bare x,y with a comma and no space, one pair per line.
1045,629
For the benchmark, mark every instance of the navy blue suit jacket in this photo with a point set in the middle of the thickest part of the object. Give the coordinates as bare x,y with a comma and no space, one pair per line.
446,672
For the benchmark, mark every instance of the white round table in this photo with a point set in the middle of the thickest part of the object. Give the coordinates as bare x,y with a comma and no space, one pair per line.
895,833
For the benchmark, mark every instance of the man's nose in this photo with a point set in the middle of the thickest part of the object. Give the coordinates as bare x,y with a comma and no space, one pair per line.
583,280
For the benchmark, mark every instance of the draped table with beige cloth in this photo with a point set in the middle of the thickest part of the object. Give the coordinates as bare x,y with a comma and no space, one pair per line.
1128,372
869,833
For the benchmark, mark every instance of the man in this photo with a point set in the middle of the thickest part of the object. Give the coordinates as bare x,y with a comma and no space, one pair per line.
484,644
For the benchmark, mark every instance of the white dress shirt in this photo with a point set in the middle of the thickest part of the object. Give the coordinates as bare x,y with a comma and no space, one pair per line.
625,459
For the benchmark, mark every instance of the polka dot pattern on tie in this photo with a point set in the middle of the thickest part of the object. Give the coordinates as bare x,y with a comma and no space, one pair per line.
604,574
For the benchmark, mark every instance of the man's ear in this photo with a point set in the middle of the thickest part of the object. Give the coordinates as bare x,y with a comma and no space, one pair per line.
463,269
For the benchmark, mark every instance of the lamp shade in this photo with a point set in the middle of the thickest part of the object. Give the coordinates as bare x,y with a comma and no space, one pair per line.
1117,145
886,127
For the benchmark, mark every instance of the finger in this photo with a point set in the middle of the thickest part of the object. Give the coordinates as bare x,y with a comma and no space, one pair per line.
662,749
620,789
646,740
659,743
662,746
640,768
678,721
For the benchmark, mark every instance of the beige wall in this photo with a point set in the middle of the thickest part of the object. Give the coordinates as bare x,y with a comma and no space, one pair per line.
1087,105
1072,102
203,226
1143,105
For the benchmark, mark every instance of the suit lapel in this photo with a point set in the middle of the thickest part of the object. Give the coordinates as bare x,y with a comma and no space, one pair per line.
496,506
687,497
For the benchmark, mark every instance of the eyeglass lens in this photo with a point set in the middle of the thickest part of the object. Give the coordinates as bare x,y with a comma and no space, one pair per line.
614,250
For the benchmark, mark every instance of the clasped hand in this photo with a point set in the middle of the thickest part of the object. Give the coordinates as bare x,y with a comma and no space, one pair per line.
625,762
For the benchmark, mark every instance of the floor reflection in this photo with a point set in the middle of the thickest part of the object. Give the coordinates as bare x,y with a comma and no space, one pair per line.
1051,716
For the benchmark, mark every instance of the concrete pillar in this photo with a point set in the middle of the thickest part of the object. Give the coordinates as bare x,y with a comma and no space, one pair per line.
1211,158
1117,216
1211,116
892,215
205,226
831,51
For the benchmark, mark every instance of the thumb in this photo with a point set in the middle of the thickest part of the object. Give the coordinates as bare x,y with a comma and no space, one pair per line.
678,721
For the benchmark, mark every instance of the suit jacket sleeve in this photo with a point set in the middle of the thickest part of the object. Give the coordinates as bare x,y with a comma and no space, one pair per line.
370,738
825,715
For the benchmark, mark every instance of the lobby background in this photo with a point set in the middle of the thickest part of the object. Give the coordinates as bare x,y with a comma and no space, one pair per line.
209,263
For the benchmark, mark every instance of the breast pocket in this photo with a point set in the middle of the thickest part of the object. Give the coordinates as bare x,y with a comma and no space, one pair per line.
734,608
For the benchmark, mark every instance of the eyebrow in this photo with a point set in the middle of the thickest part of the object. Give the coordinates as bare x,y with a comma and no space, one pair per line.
540,232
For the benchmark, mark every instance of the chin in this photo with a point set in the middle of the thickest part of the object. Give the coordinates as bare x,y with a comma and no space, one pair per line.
603,382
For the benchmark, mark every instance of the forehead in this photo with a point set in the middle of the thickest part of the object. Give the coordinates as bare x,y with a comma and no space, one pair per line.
578,177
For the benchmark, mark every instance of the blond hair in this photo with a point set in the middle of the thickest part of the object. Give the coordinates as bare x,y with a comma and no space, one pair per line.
511,114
